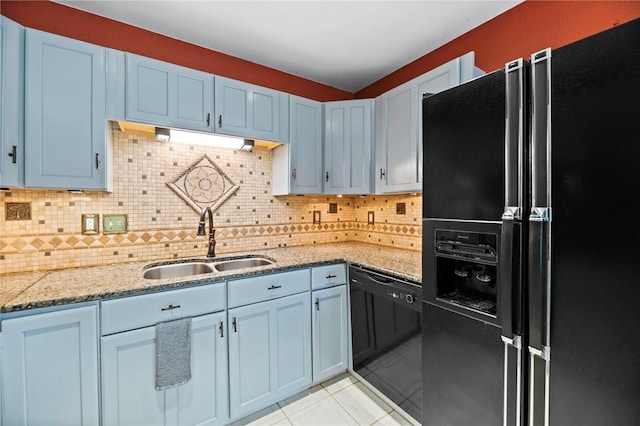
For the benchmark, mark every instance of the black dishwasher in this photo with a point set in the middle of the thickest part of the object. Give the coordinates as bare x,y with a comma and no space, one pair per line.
386,336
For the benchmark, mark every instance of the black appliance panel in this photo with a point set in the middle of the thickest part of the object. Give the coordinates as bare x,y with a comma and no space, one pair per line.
595,343
463,370
386,335
463,145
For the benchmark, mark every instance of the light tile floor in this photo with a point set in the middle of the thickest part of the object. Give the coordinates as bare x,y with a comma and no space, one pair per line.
342,400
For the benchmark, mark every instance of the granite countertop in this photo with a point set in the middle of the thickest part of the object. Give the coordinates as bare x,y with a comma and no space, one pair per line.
49,288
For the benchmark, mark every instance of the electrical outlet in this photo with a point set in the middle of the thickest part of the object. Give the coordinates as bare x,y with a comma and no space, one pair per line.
90,223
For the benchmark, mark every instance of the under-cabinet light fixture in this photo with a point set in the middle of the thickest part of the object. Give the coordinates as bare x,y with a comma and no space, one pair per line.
206,139
162,134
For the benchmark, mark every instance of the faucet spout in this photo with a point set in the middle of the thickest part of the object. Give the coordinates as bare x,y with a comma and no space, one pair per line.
212,232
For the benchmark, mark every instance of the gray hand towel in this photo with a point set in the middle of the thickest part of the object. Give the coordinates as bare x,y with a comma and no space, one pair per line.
173,353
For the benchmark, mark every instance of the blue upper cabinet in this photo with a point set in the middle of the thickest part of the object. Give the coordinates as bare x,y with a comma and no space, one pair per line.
399,125
297,166
11,104
348,141
247,110
168,95
65,125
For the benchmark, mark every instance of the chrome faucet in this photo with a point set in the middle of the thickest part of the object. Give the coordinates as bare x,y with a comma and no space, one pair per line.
212,232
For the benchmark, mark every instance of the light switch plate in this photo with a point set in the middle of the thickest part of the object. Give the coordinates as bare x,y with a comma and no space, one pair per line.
90,224
114,223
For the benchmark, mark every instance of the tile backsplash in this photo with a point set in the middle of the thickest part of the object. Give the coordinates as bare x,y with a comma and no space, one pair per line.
163,225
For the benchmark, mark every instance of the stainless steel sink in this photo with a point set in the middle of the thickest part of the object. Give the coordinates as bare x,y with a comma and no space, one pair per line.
231,264
177,270
197,267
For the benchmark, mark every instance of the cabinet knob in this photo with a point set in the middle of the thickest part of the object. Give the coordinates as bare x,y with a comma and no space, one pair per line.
293,173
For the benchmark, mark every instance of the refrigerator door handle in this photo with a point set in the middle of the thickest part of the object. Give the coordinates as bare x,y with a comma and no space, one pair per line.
508,275
514,139
539,315
539,282
513,398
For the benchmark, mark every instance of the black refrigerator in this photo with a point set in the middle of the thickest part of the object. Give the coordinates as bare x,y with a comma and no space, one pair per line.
531,241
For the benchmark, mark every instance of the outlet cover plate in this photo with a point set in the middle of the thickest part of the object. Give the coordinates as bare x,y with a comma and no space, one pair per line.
114,223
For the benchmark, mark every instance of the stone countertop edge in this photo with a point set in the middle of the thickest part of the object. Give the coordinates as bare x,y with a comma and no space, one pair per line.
32,290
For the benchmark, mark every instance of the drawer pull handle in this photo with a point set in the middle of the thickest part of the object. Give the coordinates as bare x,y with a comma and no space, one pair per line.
317,304
170,307
235,325
273,287
330,276
221,328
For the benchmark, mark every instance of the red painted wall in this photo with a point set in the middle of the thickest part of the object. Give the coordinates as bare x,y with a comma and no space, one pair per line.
529,27
59,19
519,32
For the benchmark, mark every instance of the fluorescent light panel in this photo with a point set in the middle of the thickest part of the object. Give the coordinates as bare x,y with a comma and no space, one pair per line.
195,138
206,139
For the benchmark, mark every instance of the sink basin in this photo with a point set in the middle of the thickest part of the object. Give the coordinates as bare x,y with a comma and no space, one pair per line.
177,270
231,264
197,267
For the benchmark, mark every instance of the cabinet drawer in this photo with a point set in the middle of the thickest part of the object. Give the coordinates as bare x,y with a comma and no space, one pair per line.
266,287
328,276
140,311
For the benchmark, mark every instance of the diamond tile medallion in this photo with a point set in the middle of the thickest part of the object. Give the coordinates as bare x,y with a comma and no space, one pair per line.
203,184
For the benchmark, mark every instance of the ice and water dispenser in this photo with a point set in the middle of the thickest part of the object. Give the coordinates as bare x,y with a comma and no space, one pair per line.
467,269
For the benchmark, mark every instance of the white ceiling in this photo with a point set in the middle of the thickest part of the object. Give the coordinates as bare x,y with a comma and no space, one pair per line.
344,44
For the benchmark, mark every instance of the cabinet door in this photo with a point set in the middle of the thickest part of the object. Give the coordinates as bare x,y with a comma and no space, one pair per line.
398,159
399,154
129,396
50,368
306,146
347,147
11,103
168,95
246,110
330,332
269,352
65,126
250,358
291,336
204,400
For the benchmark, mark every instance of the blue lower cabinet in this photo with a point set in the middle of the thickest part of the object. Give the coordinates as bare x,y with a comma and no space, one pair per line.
330,332
50,368
129,396
269,352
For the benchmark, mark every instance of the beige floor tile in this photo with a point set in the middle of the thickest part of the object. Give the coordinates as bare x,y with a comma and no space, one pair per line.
266,417
362,404
303,400
326,412
338,383
393,419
